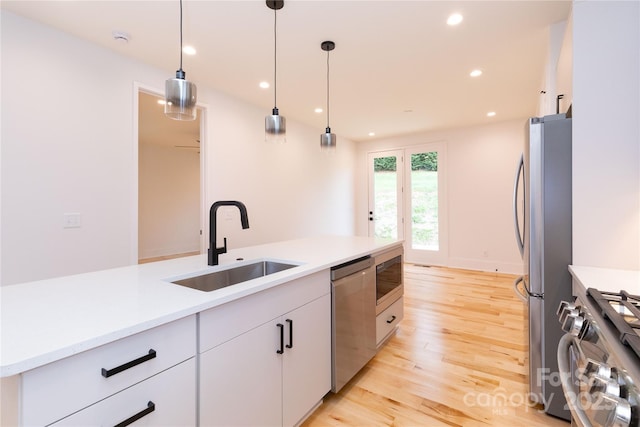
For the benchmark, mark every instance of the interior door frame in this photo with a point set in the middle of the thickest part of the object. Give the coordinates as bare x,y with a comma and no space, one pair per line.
203,112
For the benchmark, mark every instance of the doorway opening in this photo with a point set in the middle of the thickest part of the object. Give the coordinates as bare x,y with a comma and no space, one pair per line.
169,182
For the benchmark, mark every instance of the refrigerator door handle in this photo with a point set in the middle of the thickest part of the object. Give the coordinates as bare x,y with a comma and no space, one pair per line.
516,219
523,297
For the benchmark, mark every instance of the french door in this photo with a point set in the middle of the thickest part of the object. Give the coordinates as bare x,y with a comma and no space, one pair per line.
385,194
407,200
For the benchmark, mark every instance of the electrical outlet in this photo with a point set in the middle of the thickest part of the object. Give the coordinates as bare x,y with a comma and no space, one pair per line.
72,220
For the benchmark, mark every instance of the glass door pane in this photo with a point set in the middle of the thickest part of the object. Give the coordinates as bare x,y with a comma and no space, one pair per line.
426,232
424,201
385,194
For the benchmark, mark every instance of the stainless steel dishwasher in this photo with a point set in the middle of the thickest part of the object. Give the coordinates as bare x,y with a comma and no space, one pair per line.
353,326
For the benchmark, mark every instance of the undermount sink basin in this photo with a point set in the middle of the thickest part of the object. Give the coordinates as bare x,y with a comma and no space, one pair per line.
232,276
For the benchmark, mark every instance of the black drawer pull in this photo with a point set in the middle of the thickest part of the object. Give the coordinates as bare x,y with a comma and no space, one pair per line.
391,320
281,326
290,322
109,372
150,408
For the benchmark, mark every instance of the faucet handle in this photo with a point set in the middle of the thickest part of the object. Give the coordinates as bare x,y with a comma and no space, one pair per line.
223,249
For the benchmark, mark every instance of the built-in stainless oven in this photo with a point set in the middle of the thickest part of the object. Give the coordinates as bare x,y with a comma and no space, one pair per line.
389,278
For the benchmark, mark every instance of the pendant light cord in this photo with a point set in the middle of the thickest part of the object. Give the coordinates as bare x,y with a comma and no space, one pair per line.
275,59
328,89
180,34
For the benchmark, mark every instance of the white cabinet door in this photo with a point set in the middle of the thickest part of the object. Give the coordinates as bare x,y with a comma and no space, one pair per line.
240,380
307,364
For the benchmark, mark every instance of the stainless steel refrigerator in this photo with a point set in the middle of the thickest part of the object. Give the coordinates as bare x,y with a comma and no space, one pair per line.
542,212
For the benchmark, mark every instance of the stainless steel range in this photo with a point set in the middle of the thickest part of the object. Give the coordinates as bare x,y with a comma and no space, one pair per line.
599,357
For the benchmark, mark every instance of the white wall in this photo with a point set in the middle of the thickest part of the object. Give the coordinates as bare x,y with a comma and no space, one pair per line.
68,145
482,163
606,134
169,201
550,87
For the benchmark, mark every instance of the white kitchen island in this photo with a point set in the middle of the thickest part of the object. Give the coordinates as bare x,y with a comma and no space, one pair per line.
50,328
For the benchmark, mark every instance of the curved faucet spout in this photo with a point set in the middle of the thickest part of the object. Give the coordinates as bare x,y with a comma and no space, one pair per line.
214,251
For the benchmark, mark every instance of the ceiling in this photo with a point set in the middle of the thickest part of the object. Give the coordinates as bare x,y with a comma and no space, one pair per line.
397,68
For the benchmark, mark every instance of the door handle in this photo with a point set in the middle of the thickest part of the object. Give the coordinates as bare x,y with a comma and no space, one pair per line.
516,219
520,295
149,409
281,327
109,372
290,322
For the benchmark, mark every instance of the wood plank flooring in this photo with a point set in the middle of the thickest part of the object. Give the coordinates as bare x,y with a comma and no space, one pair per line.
459,358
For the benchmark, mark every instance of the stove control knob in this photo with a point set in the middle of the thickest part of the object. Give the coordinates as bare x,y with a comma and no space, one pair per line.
564,305
594,368
606,385
565,309
611,411
573,322
587,332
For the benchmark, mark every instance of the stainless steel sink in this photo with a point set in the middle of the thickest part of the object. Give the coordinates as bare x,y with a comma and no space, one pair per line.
223,278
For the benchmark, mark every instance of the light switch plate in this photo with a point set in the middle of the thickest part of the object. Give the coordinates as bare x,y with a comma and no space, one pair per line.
72,220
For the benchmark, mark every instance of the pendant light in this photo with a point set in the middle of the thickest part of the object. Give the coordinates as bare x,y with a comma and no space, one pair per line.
275,126
327,139
180,94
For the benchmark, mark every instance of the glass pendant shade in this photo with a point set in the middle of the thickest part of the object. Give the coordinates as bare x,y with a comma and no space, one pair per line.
180,98
275,128
328,141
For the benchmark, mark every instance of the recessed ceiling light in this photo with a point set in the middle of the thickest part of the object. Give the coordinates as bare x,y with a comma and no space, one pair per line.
491,113
189,50
454,19
318,110
264,85
372,134
475,73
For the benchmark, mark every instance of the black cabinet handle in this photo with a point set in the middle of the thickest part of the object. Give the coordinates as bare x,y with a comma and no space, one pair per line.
391,320
109,372
290,322
281,326
150,408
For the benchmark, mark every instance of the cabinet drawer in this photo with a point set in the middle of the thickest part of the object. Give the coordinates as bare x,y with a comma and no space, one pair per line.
388,319
220,324
166,399
58,389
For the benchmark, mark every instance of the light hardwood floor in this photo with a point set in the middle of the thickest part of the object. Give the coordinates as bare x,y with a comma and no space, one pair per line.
459,358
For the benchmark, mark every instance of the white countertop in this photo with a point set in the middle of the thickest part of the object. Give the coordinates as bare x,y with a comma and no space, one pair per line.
607,279
48,320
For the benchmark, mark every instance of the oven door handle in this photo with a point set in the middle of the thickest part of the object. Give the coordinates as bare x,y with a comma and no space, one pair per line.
578,415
